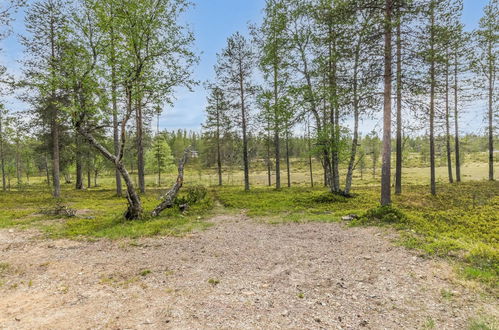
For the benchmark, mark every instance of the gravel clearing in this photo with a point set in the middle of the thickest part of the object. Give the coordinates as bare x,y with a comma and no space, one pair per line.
238,274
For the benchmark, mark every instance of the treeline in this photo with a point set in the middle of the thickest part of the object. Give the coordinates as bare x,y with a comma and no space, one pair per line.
323,66
23,156
95,72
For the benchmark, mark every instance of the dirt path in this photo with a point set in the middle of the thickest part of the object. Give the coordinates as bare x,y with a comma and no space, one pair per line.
237,274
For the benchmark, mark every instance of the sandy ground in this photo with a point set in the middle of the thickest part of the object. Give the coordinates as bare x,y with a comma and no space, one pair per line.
237,274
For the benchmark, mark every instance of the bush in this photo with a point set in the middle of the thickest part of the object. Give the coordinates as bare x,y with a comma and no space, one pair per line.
192,195
383,214
320,198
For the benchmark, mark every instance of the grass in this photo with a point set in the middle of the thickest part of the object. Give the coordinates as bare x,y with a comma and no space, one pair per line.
100,214
483,323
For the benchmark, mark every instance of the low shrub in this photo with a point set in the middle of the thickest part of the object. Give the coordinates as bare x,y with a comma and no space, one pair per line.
383,214
191,195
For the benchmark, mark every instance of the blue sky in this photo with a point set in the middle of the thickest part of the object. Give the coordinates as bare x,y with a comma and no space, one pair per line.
212,21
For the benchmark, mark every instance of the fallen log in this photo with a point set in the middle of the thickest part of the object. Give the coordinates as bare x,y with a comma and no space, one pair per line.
169,198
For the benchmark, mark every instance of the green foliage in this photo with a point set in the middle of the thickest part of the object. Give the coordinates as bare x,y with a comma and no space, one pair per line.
214,281
483,323
159,157
99,214
145,272
191,195
383,214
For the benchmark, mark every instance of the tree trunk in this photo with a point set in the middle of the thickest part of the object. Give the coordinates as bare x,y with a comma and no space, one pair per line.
456,121
169,198
55,154
269,166
288,166
491,112
277,143
219,154
398,166
310,156
355,140
47,170
140,144
387,109
18,162
447,122
432,102
134,210
89,169
2,156
116,133
334,114
79,171
245,138
54,124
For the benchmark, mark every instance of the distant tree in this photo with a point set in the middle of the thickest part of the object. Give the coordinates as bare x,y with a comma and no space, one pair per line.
3,113
372,147
159,158
234,71
217,123
460,48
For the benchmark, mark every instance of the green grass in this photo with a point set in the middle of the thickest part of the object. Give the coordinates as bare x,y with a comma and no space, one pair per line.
100,214
461,222
483,323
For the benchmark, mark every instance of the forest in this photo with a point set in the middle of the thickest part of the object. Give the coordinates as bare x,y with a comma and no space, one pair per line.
343,175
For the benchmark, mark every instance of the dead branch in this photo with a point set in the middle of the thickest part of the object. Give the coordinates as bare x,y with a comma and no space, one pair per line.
169,198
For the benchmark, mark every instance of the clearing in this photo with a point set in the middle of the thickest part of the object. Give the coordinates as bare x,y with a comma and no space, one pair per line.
239,273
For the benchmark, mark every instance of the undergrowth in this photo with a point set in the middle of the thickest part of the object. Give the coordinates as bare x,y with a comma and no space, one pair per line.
99,213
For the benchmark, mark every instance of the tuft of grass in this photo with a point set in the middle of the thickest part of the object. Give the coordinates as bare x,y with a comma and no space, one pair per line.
214,281
429,324
145,272
446,294
4,267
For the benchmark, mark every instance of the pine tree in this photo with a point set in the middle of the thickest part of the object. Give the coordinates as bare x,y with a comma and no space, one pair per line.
485,65
387,108
47,24
217,123
234,71
272,39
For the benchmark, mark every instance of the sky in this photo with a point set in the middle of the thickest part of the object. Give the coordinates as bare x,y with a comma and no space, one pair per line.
212,22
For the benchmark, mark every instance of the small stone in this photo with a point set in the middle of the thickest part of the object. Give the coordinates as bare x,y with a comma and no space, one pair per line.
285,313
11,230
